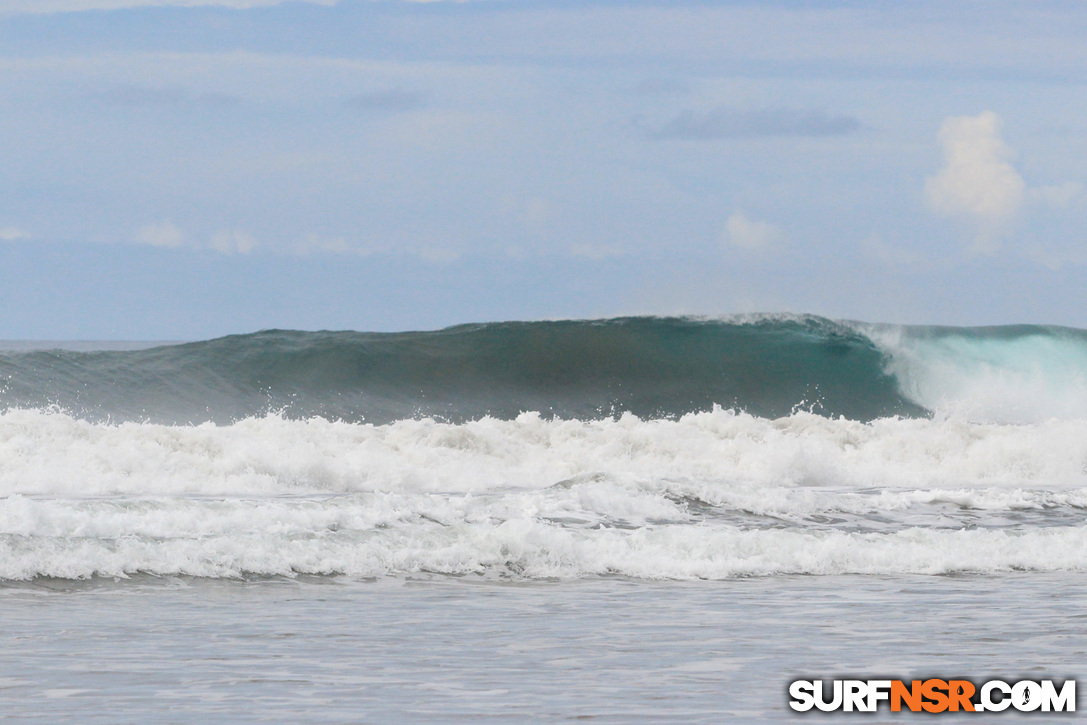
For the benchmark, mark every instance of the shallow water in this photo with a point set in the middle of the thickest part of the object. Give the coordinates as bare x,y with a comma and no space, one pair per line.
325,649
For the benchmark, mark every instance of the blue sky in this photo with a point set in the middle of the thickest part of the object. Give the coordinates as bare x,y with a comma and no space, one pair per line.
191,169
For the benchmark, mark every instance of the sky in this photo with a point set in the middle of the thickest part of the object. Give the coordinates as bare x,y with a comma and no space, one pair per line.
189,169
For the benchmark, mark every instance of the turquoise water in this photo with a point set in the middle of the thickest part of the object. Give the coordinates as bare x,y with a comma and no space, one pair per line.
652,367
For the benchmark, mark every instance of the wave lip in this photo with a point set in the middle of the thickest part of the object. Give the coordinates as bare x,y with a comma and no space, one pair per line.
1007,374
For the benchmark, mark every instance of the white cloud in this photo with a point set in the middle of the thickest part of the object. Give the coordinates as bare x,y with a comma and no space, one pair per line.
1059,196
437,255
160,235
750,234
978,183
11,234
169,236
316,243
233,242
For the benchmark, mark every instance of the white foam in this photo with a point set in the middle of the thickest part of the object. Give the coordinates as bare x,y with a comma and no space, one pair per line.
714,494
1024,379
709,455
527,547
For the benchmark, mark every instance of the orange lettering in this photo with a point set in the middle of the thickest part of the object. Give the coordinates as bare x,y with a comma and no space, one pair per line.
931,690
912,696
960,692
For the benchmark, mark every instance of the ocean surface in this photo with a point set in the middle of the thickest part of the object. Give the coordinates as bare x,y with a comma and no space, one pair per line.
656,519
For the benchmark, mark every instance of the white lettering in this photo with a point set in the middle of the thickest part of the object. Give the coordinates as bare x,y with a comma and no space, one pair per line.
1064,701
855,696
803,694
987,699
878,690
1026,696
835,702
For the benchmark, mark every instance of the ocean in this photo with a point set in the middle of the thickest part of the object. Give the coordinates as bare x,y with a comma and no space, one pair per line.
636,519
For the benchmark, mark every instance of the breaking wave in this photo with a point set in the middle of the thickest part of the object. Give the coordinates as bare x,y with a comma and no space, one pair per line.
642,447
653,367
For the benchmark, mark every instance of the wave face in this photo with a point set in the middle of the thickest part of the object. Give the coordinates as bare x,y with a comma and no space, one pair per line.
651,367
652,448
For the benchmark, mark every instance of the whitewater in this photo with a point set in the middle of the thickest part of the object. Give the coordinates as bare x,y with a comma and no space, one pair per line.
982,467
710,495
506,483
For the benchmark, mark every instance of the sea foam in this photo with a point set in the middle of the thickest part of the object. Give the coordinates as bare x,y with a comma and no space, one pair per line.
708,495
